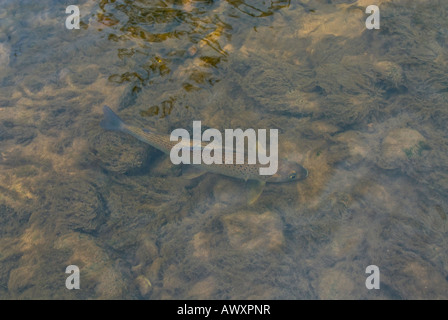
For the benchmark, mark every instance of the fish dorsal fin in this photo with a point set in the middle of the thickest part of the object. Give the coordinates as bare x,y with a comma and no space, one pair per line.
254,188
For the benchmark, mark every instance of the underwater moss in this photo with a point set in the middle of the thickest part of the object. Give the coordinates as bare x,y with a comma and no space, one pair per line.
416,150
363,110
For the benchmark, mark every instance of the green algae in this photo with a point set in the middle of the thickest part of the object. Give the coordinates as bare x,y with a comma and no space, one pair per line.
417,150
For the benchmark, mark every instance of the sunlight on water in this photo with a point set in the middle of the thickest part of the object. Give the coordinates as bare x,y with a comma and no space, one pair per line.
364,111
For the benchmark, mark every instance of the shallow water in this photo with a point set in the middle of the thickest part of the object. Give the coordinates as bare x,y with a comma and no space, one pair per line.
363,110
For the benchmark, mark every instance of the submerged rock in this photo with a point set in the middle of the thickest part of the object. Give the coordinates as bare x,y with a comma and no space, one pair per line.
203,289
111,284
358,147
390,72
253,231
400,146
98,272
78,205
335,284
21,278
147,251
427,282
120,153
152,271
202,245
144,285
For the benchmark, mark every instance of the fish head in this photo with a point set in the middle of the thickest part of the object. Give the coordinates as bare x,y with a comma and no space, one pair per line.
288,171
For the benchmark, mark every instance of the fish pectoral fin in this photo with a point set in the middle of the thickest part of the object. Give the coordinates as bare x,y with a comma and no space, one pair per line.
254,188
190,172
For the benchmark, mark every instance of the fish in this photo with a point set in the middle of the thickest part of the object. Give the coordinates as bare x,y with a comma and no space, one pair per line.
288,171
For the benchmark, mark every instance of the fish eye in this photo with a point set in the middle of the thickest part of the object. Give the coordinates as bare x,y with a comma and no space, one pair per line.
292,176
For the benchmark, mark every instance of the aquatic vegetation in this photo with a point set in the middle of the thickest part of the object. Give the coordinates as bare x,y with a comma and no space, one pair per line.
364,111
416,150
165,109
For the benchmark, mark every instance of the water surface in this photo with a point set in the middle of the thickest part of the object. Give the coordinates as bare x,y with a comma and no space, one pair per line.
363,110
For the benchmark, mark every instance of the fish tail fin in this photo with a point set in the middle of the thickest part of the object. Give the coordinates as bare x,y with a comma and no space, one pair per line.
110,120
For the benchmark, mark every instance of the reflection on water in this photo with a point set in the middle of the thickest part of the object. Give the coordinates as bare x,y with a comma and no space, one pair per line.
363,110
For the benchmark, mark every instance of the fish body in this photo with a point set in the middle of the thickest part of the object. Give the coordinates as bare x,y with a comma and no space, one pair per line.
287,170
